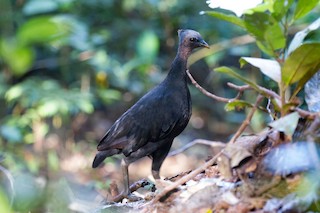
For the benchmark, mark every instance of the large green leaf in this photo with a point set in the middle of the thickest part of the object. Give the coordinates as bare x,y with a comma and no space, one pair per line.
270,68
257,24
301,63
225,17
232,73
41,29
280,8
304,7
148,46
18,57
300,36
274,36
267,31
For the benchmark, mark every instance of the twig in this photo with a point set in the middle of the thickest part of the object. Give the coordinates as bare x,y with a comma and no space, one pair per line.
265,91
205,92
197,141
240,89
246,122
184,179
304,113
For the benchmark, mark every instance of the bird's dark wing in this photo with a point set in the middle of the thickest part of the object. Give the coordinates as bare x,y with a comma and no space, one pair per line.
152,118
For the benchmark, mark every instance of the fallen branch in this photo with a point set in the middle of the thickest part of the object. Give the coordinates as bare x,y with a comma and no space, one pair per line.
185,179
209,94
197,141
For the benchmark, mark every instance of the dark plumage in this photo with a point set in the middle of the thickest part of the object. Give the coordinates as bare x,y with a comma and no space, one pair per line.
150,125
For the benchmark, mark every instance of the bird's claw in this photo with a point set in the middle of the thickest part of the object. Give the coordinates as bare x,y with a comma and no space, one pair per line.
162,184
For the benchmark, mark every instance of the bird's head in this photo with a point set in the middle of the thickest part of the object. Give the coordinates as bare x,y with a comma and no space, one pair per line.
191,39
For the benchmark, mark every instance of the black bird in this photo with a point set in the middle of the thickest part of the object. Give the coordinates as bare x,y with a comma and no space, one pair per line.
150,125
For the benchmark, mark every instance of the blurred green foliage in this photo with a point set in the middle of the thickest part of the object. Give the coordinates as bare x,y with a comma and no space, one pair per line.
62,62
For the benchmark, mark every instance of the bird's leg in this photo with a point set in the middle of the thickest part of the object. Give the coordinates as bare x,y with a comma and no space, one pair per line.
157,160
126,192
125,174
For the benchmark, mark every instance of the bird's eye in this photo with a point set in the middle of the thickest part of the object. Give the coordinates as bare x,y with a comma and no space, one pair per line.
193,39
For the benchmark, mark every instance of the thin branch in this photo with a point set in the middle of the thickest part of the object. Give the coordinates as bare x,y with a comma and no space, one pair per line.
197,141
266,92
205,92
185,179
246,122
240,89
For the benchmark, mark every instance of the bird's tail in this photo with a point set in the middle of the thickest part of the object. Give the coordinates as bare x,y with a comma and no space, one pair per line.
101,155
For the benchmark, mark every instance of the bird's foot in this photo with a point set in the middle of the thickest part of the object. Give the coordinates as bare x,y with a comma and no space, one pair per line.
130,197
162,184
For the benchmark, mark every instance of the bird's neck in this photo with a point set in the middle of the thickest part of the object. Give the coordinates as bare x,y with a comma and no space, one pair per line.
179,66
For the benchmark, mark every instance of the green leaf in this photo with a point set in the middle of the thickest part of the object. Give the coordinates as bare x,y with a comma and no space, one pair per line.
41,30
286,124
237,105
148,46
4,202
232,73
225,17
270,68
300,36
304,7
257,24
301,63
18,57
266,30
280,8
274,36
265,47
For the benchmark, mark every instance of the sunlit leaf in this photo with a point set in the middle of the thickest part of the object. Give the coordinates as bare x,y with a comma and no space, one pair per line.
300,36
225,17
286,124
266,48
257,24
49,108
301,64
148,46
40,30
268,32
4,202
18,57
109,95
275,37
232,73
237,105
270,68
280,8
304,7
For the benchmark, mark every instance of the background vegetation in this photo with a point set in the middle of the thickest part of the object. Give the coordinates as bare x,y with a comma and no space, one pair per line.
70,68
